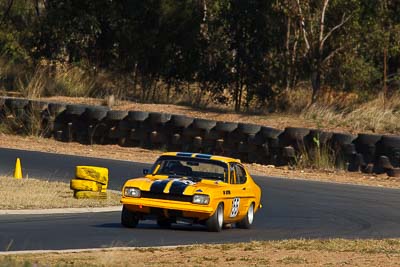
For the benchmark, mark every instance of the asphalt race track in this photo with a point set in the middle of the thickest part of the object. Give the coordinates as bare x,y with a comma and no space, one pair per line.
292,209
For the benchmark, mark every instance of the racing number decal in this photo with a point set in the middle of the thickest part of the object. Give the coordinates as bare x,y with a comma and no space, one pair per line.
235,207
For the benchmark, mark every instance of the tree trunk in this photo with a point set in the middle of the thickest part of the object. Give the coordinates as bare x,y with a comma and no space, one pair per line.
287,55
168,92
7,11
237,93
385,72
37,9
240,94
316,84
153,97
135,80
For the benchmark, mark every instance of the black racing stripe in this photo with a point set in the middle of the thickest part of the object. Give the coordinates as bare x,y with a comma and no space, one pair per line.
159,186
177,188
203,156
184,154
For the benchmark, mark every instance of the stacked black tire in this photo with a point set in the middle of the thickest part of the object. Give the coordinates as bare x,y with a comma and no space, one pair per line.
153,130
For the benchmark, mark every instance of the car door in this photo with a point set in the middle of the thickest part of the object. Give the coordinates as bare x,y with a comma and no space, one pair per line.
239,192
247,192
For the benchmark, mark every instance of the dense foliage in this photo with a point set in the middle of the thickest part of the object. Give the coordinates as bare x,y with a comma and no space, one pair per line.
252,49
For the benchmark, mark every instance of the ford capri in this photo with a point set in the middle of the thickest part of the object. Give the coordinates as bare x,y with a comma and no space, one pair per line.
190,187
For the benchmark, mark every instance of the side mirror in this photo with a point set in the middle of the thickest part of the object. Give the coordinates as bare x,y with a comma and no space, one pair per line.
146,171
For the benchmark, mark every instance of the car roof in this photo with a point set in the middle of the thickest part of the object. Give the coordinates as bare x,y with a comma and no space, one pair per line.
202,156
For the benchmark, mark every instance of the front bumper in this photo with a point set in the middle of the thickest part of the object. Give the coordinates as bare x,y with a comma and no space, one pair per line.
186,209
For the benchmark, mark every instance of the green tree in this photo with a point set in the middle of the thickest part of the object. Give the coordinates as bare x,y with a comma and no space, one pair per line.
321,22
244,30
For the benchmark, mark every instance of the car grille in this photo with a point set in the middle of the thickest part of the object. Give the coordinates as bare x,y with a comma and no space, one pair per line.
182,198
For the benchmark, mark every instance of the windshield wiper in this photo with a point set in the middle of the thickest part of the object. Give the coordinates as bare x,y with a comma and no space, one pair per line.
194,179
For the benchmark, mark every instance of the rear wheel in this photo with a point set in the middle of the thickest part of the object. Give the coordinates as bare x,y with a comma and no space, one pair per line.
248,220
128,218
216,221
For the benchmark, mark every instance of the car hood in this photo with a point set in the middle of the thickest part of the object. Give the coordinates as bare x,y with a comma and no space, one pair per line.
173,185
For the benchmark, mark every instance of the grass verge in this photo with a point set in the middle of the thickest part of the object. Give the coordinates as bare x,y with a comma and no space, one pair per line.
31,193
333,252
379,115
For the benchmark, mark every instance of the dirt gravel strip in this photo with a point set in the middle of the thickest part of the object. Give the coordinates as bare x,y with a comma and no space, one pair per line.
60,251
59,211
334,252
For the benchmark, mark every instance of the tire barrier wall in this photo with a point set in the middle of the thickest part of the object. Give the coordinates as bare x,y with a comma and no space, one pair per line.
369,153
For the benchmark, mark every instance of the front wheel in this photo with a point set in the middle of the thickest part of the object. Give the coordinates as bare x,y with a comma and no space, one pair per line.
216,221
248,220
128,218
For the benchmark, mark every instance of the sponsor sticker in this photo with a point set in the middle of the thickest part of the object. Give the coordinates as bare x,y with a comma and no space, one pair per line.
235,207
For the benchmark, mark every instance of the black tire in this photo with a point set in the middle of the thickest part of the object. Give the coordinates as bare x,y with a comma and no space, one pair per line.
342,138
366,145
322,136
256,140
243,147
215,223
128,218
176,139
159,118
137,116
213,135
296,133
181,121
384,162
116,115
367,139
253,157
197,142
392,141
204,124
382,165
227,127
16,103
164,223
289,152
248,128
75,110
56,108
348,149
96,113
395,172
248,220
356,161
35,105
269,132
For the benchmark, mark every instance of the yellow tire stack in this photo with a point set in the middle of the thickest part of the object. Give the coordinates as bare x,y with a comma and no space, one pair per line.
90,182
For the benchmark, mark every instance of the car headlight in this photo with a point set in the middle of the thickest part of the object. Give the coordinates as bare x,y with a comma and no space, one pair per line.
201,199
131,192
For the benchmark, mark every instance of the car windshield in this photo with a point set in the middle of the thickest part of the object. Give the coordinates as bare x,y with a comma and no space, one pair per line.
193,168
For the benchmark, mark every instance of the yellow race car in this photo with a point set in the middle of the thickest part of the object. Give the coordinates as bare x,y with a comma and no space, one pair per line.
196,188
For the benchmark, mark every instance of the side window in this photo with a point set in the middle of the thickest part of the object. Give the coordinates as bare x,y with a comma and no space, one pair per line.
232,175
240,174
